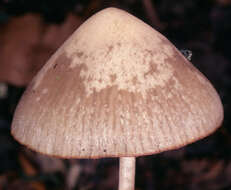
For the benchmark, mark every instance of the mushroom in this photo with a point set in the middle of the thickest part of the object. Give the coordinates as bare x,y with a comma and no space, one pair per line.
116,88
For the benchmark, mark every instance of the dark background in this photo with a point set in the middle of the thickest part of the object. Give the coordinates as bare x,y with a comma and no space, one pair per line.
30,31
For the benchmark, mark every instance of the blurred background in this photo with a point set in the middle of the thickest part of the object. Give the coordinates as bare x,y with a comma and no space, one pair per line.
31,31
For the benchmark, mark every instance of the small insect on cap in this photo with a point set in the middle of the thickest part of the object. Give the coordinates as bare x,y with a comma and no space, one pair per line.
116,88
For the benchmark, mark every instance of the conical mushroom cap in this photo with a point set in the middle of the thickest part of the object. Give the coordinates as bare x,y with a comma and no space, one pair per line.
116,88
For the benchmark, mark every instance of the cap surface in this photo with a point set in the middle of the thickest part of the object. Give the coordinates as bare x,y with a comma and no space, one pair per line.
116,88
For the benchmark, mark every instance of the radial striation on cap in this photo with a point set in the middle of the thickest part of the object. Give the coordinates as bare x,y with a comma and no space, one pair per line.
116,88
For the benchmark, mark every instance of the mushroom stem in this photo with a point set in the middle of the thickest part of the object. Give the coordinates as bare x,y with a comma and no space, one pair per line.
127,173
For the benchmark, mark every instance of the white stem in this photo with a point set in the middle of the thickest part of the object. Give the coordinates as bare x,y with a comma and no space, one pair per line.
127,173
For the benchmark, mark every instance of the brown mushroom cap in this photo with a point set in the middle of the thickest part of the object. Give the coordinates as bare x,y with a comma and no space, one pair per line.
116,88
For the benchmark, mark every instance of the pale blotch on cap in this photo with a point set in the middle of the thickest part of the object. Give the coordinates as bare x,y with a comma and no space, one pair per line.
116,88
